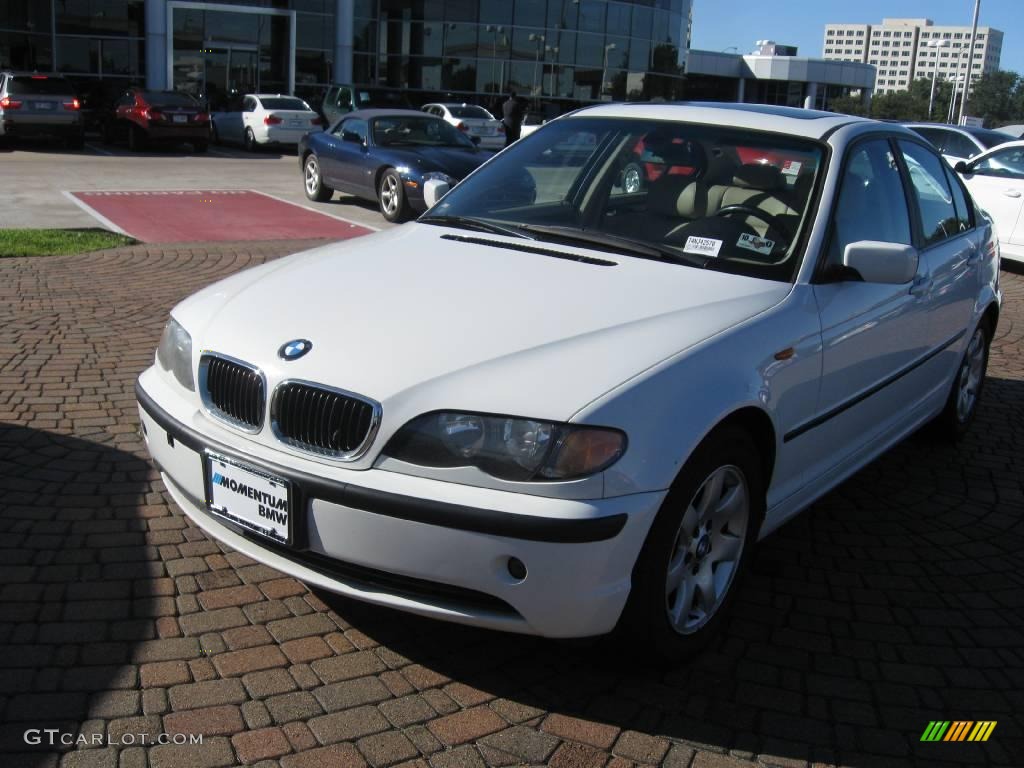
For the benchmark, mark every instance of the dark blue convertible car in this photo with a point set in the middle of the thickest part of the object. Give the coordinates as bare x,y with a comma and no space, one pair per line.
386,155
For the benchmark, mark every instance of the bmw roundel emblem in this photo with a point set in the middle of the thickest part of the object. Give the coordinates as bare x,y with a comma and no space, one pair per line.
293,350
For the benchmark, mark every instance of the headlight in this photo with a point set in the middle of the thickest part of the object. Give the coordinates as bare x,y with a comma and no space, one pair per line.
175,354
439,177
507,448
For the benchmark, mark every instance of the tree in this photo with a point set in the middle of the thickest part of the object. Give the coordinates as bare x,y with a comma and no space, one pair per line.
849,105
997,98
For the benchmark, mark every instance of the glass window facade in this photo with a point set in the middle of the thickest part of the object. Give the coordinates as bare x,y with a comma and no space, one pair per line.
547,50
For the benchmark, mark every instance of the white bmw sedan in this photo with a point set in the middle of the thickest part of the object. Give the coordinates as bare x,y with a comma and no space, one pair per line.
475,122
261,119
555,407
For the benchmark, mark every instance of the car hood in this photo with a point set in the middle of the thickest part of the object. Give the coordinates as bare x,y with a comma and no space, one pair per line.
418,321
456,162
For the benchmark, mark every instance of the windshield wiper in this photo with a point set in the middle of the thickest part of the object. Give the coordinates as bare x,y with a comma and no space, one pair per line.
614,244
479,225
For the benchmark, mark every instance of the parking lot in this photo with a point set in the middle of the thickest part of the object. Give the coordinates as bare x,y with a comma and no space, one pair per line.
897,600
47,175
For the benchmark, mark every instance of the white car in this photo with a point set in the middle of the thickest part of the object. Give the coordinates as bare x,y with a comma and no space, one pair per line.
531,122
996,180
265,118
552,406
475,122
959,142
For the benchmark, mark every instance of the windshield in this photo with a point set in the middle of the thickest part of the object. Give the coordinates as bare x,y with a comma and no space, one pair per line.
284,102
418,132
39,85
707,196
369,97
168,99
472,113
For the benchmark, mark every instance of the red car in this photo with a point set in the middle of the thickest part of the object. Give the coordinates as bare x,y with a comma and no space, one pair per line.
144,117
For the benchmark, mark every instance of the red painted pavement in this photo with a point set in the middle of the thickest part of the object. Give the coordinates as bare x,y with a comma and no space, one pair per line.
205,215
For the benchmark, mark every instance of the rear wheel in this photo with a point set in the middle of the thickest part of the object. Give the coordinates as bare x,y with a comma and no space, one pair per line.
391,196
314,182
962,403
214,136
250,140
687,574
632,179
200,146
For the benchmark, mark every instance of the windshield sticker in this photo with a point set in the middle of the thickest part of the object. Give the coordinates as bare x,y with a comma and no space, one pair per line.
792,167
756,244
705,246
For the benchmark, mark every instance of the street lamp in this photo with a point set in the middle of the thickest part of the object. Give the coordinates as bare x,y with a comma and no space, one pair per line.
553,50
604,67
935,71
495,30
952,99
539,39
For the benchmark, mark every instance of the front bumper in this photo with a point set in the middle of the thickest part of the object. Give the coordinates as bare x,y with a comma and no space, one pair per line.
412,543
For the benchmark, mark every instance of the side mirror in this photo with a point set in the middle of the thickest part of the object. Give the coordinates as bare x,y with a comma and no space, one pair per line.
434,190
878,262
961,167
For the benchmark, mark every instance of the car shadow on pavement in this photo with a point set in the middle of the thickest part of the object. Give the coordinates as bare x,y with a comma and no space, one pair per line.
896,600
79,592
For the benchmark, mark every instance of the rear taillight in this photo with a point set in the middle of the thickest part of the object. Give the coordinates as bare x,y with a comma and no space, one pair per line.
8,103
153,114
202,117
73,105
272,120
462,127
40,77
316,121
501,127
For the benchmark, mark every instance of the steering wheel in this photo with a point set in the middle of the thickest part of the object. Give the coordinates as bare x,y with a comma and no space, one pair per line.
749,210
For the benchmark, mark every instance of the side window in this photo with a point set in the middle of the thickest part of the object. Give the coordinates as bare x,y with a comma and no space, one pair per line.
249,105
1008,163
871,204
931,193
959,145
344,101
353,130
963,208
936,136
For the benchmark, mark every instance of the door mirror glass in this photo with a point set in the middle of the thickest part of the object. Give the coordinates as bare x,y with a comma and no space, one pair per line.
879,262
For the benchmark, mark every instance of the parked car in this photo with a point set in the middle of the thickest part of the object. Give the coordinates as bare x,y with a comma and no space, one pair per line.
386,156
1014,131
40,106
475,122
996,181
261,119
143,117
342,99
577,411
958,143
531,122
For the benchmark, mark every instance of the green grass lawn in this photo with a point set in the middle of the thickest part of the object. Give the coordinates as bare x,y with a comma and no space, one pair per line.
57,242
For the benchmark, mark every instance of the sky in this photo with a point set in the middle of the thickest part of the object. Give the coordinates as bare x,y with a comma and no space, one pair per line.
718,25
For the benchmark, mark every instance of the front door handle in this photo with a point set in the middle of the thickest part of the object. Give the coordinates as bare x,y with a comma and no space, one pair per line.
1011,193
921,285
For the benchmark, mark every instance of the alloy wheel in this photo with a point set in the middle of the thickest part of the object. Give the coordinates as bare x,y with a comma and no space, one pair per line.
971,372
631,180
707,550
389,195
312,176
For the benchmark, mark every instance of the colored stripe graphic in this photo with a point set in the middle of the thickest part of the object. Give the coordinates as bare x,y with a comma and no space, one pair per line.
982,730
958,730
935,730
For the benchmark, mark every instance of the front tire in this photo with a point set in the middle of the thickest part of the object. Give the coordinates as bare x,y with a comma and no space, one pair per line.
689,569
313,181
962,403
391,197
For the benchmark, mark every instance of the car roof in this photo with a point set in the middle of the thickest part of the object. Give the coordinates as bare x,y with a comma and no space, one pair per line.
274,96
370,114
809,123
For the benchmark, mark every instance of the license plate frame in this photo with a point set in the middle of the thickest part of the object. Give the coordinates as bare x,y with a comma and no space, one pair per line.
43,105
227,503
179,119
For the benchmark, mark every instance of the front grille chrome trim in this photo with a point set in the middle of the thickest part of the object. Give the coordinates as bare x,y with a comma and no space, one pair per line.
341,456
211,408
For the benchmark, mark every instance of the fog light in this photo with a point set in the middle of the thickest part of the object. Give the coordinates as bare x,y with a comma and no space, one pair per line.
516,568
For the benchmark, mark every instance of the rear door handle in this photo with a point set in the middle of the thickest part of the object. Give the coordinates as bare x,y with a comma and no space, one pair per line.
1011,193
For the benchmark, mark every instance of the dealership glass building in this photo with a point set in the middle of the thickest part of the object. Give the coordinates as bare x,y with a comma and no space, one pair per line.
578,50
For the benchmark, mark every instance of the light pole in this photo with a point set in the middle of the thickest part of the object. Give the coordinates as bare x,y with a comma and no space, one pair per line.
495,30
553,50
935,71
970,59
539,40
604,68
952,99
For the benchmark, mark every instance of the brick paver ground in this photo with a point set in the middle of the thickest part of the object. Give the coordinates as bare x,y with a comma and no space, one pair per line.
896,600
